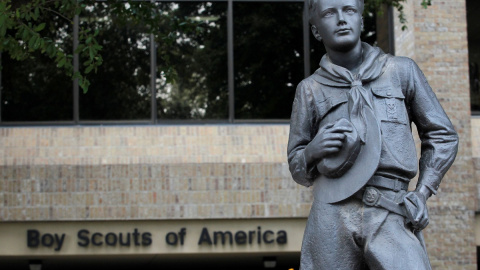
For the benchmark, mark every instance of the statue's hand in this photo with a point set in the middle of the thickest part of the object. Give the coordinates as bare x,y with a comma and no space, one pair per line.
416,209
329,140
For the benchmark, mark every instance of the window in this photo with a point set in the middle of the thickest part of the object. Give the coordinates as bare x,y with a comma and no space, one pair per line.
199,59
34,89
268,58
236,61
473,28
119,90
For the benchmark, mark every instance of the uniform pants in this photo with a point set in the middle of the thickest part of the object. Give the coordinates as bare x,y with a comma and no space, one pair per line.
350,235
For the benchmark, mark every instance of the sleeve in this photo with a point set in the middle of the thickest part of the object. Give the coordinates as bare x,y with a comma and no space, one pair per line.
439,141
301,125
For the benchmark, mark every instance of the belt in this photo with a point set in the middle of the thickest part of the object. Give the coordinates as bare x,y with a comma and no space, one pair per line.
371,196
388,183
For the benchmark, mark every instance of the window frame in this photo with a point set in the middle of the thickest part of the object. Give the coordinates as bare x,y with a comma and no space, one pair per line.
154,74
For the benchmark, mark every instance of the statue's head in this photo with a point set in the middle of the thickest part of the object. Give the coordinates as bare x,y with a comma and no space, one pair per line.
338,23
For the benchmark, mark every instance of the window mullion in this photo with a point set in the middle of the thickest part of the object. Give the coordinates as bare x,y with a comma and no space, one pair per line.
231,90
306,41
153,76
76,99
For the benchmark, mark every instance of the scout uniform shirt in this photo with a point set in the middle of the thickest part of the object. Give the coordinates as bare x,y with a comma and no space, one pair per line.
400,95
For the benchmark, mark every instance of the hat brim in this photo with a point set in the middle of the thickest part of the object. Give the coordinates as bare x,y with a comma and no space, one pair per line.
331,190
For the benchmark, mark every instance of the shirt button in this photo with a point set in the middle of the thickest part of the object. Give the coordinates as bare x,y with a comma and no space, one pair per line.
389,93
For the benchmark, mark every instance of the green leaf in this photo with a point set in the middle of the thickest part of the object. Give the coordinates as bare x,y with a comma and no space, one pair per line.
40,27
89,69
80,48
2,20
32,41
92,53
62,62
50,50
24,33
37,43
85,84
36,14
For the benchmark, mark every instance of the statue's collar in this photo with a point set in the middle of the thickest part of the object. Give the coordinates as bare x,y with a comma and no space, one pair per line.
373,65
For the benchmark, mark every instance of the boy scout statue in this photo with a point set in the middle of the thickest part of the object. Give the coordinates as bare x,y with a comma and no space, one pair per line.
350,137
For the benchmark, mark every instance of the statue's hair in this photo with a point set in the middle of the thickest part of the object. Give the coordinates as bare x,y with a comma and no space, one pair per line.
313,4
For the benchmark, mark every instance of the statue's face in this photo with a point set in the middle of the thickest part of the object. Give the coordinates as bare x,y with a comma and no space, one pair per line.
338,23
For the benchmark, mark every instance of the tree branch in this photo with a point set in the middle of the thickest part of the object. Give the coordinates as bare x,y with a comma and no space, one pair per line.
55,12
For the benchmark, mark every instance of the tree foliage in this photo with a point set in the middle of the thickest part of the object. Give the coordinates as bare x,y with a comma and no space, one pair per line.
32,27
397,4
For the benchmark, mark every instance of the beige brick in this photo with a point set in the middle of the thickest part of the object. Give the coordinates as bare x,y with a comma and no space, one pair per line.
436,40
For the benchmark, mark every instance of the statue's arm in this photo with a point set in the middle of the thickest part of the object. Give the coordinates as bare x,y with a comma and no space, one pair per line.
439,141
301,134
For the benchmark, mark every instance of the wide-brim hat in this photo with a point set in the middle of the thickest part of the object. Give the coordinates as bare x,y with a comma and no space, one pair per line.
337,187
335,165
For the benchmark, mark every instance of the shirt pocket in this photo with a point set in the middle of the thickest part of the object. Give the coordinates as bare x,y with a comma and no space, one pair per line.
328,105
390,105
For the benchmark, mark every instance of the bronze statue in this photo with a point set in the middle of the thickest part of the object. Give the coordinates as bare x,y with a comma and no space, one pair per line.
351,138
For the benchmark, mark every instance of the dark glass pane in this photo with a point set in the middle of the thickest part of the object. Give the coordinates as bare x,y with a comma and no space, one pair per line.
317,50
196,86
35,89
268,40
369,33
473,23
119,89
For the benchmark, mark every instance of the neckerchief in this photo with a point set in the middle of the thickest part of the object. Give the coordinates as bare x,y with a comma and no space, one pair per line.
359,98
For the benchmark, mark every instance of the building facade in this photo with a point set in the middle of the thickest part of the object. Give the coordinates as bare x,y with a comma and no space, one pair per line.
214,195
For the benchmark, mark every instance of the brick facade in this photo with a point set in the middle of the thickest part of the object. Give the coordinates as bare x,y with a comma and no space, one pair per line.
437,40
145,172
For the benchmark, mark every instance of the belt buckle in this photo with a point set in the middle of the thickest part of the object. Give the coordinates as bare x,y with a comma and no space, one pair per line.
371,196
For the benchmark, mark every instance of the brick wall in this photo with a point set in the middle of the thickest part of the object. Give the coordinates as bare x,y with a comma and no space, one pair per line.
143,144
476,154
147,172
437,40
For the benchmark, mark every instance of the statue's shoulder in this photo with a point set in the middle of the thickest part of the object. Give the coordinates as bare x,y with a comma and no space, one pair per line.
309,82
312,84
312,89
401,62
